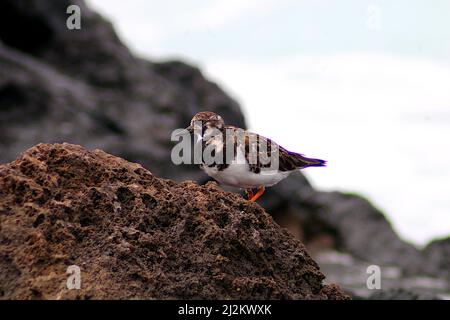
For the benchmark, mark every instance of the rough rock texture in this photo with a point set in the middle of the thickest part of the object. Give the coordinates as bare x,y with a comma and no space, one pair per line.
86,87
137,236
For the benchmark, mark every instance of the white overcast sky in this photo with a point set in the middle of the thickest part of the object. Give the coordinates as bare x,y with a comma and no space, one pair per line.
362,84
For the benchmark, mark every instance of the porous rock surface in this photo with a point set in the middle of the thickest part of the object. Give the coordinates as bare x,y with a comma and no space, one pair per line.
138,236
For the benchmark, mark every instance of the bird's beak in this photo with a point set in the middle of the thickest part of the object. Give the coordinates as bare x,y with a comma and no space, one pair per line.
190,129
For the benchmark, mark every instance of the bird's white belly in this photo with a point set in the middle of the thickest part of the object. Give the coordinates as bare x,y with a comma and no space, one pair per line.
238,175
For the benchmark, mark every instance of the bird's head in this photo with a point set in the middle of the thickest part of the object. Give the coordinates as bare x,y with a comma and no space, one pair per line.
205,120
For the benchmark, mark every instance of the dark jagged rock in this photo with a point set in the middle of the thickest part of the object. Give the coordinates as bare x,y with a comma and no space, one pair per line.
137,236
352,224
437,254
363,231
84,86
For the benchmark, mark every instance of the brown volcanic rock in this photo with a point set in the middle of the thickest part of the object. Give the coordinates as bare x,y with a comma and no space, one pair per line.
138,236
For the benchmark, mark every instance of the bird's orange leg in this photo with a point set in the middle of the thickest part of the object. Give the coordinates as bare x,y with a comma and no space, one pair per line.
258,194
249,193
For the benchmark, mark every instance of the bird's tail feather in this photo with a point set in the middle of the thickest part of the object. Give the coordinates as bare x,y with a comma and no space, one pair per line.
304,162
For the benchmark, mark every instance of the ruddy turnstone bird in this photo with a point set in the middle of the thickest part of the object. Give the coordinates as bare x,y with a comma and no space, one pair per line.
243,159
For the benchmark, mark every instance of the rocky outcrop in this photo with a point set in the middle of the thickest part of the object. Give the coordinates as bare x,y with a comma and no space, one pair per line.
85,87
349,222
437,254
137,236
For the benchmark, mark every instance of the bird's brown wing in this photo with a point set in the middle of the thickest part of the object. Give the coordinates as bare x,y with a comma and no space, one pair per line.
267,151
263,153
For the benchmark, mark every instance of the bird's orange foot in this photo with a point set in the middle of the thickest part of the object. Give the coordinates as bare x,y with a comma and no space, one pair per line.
257,194
249,193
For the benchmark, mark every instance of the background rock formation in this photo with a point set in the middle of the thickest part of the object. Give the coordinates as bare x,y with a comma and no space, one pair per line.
86,87
136,236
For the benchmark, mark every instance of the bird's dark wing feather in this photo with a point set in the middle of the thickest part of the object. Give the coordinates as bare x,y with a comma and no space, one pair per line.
266,150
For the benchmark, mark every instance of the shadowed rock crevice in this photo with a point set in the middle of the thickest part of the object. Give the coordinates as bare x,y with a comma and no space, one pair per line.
23,31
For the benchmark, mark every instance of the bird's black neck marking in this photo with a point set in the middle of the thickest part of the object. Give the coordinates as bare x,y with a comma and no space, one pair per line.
217,134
